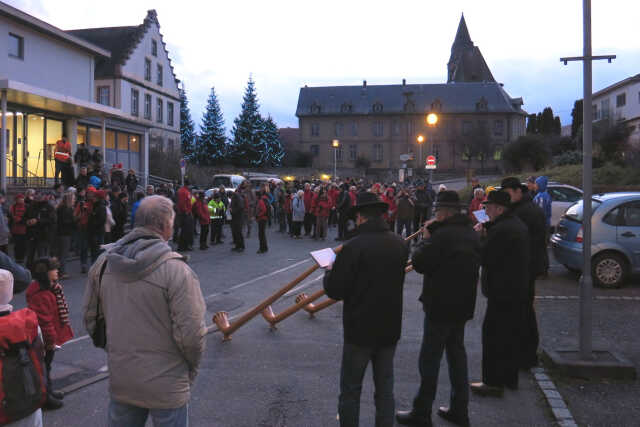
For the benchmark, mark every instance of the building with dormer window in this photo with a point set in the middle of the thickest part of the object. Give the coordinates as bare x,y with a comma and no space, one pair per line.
383,122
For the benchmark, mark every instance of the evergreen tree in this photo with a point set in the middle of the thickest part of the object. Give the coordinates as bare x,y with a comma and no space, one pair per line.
212,142
546,124
187,129
532,124
275,150
248,131
557,125
576,118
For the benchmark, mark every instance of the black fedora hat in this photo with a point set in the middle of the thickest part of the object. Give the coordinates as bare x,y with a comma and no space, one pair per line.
448,199
498,197
514,183
367,199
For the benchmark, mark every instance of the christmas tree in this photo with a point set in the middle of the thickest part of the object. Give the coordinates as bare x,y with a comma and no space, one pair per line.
274,150
249,144
212,142
187,129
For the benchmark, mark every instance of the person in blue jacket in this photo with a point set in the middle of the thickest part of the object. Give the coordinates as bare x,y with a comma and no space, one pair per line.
543,199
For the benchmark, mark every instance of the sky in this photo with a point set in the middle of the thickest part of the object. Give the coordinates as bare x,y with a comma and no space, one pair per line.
286,44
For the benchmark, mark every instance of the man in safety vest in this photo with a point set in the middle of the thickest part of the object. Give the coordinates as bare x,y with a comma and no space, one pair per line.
62,157
216,214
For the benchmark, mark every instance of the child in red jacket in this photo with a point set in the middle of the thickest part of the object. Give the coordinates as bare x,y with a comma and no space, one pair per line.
323,209
46,298
201,213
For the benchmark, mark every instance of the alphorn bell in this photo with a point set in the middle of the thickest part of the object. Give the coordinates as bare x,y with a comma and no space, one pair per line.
273,319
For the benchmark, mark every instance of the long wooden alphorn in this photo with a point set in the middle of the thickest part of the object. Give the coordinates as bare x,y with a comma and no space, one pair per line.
221,318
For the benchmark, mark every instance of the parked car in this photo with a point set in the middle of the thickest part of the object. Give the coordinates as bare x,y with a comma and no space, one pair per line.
615,245
230,182
562,197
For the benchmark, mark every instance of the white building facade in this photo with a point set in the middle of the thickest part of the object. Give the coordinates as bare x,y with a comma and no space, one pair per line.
620,103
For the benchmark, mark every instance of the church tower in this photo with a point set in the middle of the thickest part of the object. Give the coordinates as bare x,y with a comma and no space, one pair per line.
466,63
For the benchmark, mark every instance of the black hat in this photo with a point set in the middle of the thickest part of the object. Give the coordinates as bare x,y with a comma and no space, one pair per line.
514,183
367,199
448,199
498,197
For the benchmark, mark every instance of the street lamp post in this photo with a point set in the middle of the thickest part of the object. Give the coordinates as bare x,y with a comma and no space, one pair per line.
335,144
420,140
432,120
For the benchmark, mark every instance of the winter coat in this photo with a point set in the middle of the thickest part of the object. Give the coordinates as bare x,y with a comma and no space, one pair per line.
475,205
81,213
97,217
533,218
45,215
119,211
238,207
323,207
44,303
21,275
344,202
82,156
154,314
66,222
82,181
450,263
368,275
388,198
298,209
308,199
424,200
184,200
18,218
131,181
262,209
201,212
4,228
505,259
405,208
216,210
543,198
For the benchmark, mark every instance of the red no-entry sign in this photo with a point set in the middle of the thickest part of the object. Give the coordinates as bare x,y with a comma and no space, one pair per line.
431,162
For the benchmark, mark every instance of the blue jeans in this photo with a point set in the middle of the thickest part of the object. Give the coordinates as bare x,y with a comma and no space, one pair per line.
354,364
123,415
440,336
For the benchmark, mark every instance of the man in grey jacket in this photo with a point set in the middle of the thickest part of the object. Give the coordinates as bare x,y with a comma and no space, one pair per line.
154,314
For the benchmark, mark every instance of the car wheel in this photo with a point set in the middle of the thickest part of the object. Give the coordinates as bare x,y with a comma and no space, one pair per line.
609,270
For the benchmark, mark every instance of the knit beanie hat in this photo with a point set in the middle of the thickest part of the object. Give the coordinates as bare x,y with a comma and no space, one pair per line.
6,290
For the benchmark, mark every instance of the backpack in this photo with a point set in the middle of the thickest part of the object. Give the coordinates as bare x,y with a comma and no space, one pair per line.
23,386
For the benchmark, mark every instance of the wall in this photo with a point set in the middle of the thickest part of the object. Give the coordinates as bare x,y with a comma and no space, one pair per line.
48,63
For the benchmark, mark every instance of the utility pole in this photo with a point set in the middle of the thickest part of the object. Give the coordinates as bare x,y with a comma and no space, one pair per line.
586,282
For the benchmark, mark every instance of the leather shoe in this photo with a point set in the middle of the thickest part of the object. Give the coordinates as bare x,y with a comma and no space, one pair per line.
482,389
57,394
52,403
453,417
408,418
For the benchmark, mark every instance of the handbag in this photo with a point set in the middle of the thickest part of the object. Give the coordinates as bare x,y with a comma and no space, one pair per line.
99,335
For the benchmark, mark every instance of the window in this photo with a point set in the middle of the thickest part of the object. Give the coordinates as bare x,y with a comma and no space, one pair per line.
170,113
564,194
594,108
159,74
396,127
154,48
135,102
631,215
159,110
377,152
498,127
339,129
621,100
604,106
315,129
467,127
377,107
354,128
315,149
147,70
378,128
147,106
16,46
353,152
346,108
338,153
103,95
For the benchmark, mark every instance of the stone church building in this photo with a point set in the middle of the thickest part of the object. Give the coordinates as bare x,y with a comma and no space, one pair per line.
477,118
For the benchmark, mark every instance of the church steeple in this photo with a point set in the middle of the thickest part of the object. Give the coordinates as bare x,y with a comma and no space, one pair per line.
463,39
466,63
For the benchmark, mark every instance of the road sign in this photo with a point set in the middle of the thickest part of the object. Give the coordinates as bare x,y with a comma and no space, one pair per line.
183,163
431,162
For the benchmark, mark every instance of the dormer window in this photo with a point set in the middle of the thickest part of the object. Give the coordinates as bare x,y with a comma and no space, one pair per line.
377,107
346,108
316,108
482,105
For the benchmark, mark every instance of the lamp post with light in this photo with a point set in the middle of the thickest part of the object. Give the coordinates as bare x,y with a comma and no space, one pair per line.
432,121
335,144
420,141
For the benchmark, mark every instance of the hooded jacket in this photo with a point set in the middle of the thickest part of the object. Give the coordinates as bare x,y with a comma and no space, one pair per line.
154,314
543,198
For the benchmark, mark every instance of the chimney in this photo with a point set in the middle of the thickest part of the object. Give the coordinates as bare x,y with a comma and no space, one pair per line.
404,82
364,83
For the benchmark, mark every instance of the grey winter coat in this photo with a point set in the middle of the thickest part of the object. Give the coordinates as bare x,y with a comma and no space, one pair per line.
297,209
154,313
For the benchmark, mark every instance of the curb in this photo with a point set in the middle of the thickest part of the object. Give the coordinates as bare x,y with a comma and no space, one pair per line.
561,413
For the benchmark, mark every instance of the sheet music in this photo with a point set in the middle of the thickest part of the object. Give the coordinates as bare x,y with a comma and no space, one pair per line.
324,257
481,216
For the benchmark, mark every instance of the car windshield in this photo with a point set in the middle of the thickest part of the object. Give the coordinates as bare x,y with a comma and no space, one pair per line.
575,212
225,181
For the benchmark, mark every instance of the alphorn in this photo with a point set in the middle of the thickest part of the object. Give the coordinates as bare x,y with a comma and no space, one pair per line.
221,318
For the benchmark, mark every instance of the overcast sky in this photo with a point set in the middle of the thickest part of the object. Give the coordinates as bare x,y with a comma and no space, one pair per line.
287,44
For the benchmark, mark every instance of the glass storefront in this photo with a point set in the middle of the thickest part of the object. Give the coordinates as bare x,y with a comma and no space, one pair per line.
122,147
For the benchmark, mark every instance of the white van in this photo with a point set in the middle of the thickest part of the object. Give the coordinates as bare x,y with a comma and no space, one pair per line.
230,182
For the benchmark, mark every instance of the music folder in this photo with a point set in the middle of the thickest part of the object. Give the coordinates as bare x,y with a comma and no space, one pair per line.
324,257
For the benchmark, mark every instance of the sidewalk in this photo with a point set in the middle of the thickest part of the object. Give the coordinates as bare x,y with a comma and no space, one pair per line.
291,377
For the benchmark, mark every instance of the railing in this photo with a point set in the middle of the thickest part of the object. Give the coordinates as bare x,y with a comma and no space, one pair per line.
30,181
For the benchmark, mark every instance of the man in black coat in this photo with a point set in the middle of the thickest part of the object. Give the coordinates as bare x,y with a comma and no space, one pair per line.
449,259
238,211
368,275
533,217
505,278
343,205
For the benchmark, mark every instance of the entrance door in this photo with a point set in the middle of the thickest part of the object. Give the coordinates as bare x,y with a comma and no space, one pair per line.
35,154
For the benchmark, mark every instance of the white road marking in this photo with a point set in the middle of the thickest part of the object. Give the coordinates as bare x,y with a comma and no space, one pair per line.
233,288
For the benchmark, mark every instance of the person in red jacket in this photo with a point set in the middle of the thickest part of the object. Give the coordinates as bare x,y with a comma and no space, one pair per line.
390,215
46,298
323,209
18,223
184,218
262,216
333,199
201,213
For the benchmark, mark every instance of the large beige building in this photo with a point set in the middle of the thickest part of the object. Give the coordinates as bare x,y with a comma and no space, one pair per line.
383,122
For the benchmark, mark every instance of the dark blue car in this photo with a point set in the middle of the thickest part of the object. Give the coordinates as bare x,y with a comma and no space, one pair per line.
615,245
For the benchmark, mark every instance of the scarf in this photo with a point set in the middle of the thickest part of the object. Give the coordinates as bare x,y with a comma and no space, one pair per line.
63,308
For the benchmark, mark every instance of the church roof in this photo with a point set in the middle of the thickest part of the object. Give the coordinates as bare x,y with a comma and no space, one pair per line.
402,99
466,63
463,39
120,41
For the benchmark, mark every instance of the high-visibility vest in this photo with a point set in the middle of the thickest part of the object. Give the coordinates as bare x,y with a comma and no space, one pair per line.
216,209
63,151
